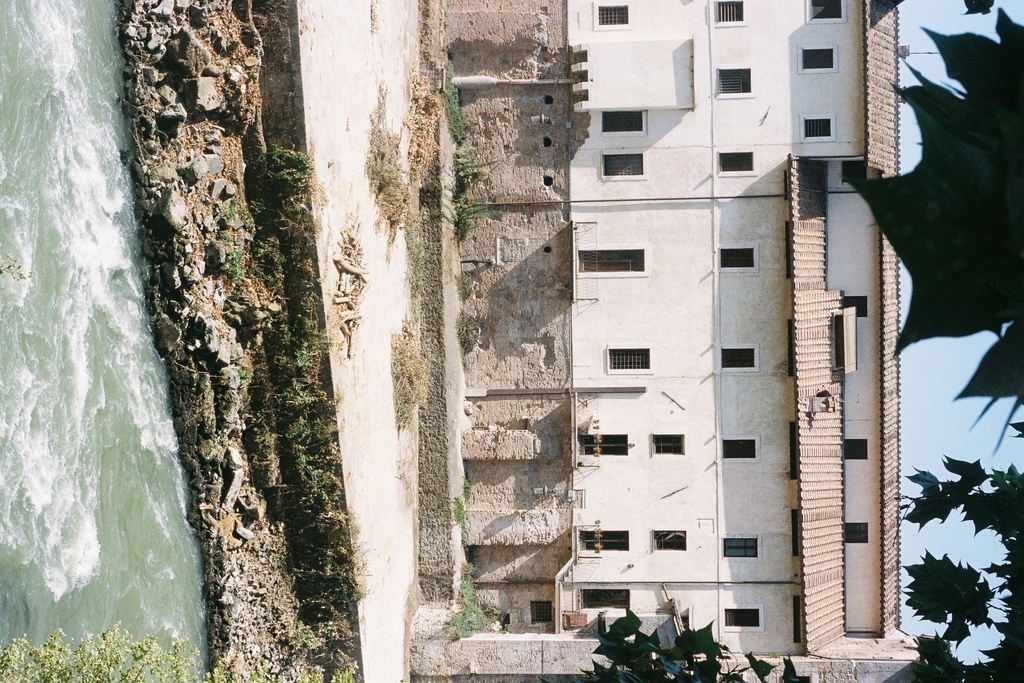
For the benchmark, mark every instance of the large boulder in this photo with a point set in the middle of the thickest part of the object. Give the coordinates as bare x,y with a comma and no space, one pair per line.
203,94
173,210
186,53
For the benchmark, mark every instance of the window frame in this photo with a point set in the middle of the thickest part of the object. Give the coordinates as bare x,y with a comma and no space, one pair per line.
628,4
649,370
741,437
739,629
624,133
730,24
843,12
800,58
742,537
645,248
756,367
583,542
814,117
654,445
733,95
654,540
583,446
584,591
860,525
858,443
622,152
745,269
735,174
535,606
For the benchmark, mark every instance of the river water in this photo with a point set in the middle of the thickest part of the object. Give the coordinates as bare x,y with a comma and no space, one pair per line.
92,497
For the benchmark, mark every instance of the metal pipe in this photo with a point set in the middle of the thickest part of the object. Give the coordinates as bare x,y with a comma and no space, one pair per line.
486,82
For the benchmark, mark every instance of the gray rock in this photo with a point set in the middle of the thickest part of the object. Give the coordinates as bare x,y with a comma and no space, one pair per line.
164,173
229,190
213,70
197,16
164,10
186,53
156,42
166,334
169,275
151,75
173,112
211,338
217,187
203,94
243,532
172,208
167,94
216,165
216,256
195,171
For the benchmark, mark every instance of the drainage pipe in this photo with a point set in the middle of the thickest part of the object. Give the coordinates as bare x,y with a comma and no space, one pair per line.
485,82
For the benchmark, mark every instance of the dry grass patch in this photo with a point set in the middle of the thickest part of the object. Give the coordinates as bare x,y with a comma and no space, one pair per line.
386,174
409,374
422,122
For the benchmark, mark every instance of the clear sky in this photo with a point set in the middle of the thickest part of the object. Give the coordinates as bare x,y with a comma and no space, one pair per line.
934,371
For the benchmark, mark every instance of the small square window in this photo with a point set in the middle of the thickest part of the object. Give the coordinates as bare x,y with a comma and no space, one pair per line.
817,128
604,444
595,597
629,359
740,547
668,444
670,540
739,449
733,81
855,170
855,532
823,58
743,357
613,15
541,612
826,9
622,122
855,449
612,261
743,618
598,539
858,302
737,258
623,164
730,11
734,162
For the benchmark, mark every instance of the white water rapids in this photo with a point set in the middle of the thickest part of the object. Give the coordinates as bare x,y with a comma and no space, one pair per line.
92,497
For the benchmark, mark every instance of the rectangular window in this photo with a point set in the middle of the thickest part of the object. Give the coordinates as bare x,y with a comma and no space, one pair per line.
855,170
733,81
739,358
668,444
623,164
737,258
817,128
541,612
794,531
790,348
743,618
794,453
735,162
612,261
826,9
622,122
598,539
729,11
613,15
629,359
604,444
670,540
789,250
740,547
817,58
858,302
739,449
855,532
595,597
797,630
855,449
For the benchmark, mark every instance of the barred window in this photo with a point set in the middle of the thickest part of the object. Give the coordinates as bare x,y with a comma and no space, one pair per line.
622,122
744,618
740,547
604,444
733,81
629,359
855,532
729,11
613,15
743,357
670,540
855,449
598,539
612,261
826,9
817,58
817,128
731,162
541,612
596,597
739,448
623,164
737,258
668,444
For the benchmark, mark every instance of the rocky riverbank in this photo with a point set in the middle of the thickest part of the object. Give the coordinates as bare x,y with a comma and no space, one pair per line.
229,294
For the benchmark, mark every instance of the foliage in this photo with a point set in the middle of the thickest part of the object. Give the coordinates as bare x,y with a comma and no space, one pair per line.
9,266
467,329
466,206
457,124
637,657
385,173
472,618
409,375
957,220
